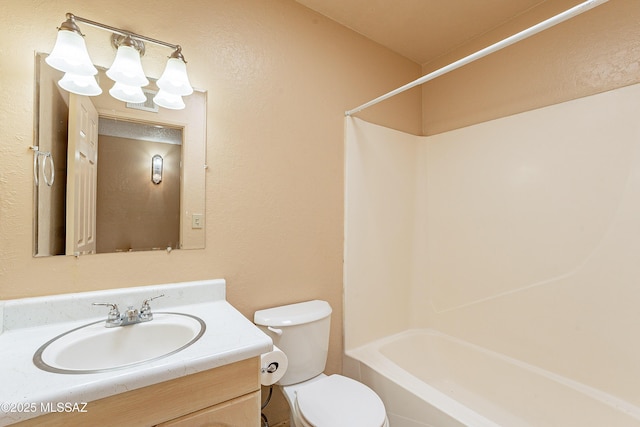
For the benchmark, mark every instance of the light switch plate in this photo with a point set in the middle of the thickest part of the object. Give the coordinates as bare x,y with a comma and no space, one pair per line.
197,221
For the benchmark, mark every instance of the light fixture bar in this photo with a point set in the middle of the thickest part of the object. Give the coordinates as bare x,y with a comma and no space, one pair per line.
121,32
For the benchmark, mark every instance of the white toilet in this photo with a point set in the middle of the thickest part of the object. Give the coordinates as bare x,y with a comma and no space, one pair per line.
301,331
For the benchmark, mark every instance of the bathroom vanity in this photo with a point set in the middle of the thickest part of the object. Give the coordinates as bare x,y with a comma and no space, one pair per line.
214,380
228,395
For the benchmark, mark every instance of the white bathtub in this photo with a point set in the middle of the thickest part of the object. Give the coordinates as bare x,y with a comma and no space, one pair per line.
426,378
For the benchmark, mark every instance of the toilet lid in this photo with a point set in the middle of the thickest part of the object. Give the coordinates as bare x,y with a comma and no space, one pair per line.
338,401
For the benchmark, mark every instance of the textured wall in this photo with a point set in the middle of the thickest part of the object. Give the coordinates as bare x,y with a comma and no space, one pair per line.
279,78
591,53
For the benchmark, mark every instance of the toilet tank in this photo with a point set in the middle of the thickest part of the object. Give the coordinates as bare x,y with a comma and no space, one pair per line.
301,331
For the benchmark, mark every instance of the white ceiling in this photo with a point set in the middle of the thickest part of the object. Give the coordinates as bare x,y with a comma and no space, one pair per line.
421,30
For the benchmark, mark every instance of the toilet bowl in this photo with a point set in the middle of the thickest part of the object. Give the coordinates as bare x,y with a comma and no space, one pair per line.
315,399
335,401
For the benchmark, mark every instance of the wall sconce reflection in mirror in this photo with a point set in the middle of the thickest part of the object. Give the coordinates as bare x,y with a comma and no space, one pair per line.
70,56
156,169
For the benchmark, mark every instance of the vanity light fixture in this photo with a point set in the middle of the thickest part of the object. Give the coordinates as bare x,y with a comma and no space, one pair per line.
127,67
126,93
156,169
174,83
82,85
174,79
70,56
168,100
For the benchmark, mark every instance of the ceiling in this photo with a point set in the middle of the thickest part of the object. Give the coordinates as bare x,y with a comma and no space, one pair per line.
421,30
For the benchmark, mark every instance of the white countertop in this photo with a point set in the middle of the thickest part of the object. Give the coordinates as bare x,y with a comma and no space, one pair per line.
26,324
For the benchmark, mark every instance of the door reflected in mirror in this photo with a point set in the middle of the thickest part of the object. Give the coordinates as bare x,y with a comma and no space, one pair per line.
94,183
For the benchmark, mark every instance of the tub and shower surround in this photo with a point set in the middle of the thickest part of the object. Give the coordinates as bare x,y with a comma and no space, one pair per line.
518,239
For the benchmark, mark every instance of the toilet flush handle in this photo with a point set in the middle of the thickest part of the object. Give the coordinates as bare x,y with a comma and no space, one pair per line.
276,331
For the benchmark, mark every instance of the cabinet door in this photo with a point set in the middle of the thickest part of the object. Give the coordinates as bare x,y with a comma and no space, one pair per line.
243,411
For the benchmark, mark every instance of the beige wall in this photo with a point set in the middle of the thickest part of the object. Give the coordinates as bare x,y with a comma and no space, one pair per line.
133,213
279,78
593,52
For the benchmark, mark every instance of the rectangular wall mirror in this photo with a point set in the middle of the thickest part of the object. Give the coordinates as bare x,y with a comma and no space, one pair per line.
149,190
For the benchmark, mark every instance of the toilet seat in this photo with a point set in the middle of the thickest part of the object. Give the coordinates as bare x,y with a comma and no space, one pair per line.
338,401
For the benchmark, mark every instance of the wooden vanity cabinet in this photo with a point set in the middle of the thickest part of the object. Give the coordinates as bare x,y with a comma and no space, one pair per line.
238,412
227,396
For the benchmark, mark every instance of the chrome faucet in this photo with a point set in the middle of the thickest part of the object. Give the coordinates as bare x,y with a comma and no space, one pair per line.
131,316
113,318
145,311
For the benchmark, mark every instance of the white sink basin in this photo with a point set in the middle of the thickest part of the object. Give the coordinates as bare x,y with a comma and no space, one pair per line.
94,348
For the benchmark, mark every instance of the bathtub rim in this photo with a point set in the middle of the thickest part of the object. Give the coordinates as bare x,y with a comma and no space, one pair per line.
405,380
369,354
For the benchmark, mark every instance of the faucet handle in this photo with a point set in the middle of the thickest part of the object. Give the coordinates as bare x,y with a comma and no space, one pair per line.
113,318
145,303
145,310
113,308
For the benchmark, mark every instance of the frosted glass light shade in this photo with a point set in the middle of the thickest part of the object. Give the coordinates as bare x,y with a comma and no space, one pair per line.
156,169
81,85
70,55
127,68
126,93
168,100
174,79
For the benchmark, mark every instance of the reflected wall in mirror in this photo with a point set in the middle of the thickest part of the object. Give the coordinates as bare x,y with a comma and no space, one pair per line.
134,213
93,185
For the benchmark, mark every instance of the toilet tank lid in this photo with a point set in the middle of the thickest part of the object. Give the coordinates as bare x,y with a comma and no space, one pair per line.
293,314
